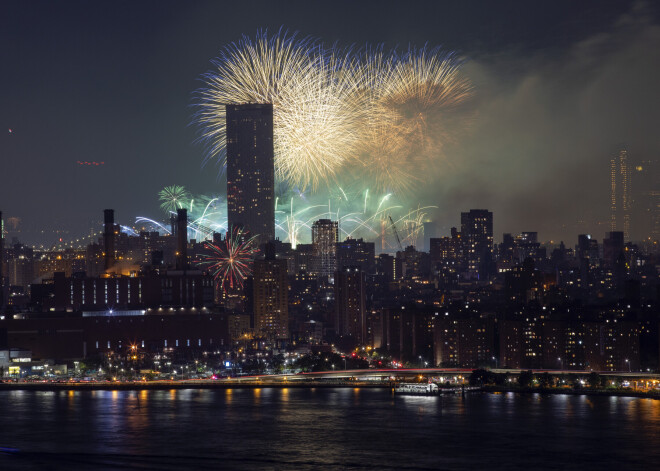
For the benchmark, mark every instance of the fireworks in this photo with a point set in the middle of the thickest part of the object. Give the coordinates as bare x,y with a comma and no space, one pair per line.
313,116
173,197
231,260
414,101
360,214
385,116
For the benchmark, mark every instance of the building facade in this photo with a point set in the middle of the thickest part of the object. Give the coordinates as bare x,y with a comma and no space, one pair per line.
271,297
250,169
325,235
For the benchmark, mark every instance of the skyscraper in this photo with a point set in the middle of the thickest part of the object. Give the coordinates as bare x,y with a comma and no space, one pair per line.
109,238
271,296
350,301
353,252
620,201
613,245
477,235
325,235
181,254
654,197
2,261
250,169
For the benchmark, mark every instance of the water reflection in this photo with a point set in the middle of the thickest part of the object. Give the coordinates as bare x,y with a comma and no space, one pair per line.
324,428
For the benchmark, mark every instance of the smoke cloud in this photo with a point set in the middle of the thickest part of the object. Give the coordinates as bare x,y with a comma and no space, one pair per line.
538,152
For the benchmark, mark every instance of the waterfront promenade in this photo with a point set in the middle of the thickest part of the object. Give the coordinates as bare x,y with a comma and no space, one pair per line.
638,384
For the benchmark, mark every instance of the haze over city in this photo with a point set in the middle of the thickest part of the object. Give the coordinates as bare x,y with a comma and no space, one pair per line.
558,90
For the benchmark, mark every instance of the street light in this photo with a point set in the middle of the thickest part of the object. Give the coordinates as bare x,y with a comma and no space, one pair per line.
629,367
495,358
561,363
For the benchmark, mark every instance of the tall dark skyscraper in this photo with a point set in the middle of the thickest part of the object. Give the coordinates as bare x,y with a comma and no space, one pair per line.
181,239
250,169
477,235
350,301
359,253
271,295
2,261
325,235
109,238
620,199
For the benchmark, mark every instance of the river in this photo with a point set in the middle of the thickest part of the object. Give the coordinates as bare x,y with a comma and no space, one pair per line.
311,429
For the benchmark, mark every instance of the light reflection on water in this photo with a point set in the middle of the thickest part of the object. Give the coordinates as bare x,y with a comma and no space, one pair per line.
267,428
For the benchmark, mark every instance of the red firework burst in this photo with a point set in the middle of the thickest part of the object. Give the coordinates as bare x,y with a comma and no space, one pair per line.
230,261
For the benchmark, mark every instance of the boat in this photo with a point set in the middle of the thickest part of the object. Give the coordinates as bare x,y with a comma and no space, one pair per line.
416,389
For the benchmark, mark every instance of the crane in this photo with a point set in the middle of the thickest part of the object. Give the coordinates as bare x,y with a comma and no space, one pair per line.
396,233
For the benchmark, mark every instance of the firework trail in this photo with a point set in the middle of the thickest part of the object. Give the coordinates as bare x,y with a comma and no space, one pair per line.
361,213
173,197
414,101
160,227
314,117
231,260
386,115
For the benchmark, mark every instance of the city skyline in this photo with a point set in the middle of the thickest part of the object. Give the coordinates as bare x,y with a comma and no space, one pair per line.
538,129
243,234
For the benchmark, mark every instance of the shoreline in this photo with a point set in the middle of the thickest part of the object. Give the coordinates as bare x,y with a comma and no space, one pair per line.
168,385
574,392
252,384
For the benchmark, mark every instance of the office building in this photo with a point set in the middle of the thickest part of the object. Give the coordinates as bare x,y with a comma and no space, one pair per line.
181,254
352,252
350,300
271,296
3,299
250,170
109,234
620,199
325,235
477,236
613,246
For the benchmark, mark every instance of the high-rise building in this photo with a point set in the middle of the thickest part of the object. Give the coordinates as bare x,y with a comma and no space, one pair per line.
412,263
2,261
20,269
620,200
526,245
446,251
477,236
647,202
250,169
304,258
181,239
352,252
350,299
109,238
654,197
587,249
613,248
325,235
386,268
506,258
271,296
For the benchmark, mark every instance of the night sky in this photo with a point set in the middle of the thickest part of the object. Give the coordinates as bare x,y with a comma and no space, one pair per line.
560,87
